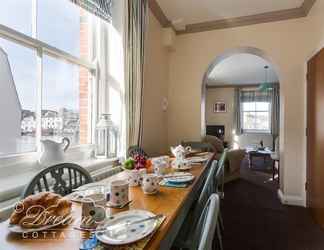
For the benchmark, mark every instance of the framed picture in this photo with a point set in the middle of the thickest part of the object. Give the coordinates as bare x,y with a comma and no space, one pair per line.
220,107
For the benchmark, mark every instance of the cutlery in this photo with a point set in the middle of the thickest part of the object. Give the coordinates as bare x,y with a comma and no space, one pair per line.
121,206
127,224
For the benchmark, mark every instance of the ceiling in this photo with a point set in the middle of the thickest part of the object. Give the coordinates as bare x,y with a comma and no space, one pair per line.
193,11
187,16
241,69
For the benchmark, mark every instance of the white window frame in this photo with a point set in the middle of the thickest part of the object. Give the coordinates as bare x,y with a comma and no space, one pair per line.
41,49
255,131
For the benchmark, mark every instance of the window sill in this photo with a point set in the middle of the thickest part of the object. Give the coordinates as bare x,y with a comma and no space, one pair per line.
255,132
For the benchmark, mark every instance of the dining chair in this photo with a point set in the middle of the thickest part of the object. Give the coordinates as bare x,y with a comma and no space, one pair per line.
60,179
198,145
202,239
136,150
220,174
184,237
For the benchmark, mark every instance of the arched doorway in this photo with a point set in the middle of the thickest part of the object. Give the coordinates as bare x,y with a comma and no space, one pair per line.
218,61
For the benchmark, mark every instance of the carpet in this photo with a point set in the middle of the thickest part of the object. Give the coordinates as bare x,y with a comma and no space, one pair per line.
254,218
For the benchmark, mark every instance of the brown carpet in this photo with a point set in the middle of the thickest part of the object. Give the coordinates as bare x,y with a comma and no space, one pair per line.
254,218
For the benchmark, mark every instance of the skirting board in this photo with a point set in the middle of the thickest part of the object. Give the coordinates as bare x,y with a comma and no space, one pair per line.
292,200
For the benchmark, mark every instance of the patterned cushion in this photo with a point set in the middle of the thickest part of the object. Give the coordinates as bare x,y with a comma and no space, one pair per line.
216,142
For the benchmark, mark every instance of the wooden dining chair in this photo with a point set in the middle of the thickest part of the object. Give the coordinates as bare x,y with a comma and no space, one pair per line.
183,240
202,239
220,180
60,179
136,150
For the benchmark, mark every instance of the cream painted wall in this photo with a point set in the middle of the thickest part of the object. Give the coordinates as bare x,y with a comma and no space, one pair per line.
288,45
221,95
155,89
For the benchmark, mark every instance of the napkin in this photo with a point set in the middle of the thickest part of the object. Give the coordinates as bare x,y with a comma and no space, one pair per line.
174,185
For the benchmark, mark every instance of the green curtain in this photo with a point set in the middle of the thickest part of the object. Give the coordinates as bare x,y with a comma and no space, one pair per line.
237,112
100,8
135,44
275,116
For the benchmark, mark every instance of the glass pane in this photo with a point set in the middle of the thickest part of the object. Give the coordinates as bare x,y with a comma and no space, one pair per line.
65,110
262,121
262,106
17,14
248,120
18,98
64,25
248,106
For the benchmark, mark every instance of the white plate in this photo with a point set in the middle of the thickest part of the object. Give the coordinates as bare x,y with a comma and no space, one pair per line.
130,234
198,159
19,229
180,178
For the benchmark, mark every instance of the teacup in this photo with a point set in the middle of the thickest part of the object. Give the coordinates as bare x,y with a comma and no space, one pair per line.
160,168
119,192
150,183
142,172
93,210
133,177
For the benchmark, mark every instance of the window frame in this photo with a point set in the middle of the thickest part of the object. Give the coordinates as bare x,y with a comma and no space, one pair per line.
255,131
41,48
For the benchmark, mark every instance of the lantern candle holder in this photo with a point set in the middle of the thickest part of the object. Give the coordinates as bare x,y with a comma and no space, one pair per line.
106,138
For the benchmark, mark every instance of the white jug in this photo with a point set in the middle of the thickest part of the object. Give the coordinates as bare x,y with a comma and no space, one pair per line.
53,152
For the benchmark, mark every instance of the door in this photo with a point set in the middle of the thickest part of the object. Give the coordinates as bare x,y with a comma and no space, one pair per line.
315,137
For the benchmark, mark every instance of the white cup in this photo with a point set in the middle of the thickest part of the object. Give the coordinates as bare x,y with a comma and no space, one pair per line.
142,172
119,192
133,177
150,184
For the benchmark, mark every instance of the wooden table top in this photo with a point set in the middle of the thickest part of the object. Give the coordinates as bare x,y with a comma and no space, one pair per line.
167,201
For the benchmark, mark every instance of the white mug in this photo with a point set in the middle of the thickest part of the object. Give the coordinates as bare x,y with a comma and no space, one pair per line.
160,168
142,172
133,177
119,192
150,183
93,211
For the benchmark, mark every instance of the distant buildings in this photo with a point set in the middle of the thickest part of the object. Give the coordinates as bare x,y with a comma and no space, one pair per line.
62,123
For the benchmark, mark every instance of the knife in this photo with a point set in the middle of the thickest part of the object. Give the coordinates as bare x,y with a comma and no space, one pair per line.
127,224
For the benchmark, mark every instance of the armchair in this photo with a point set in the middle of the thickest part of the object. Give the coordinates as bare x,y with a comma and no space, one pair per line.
234,157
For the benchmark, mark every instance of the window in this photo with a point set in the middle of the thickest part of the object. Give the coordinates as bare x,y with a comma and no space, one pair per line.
46,78
255,111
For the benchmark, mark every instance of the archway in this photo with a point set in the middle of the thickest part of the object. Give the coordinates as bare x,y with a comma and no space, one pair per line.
219,59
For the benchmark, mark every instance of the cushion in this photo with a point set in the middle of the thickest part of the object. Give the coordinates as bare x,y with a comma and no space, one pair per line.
215,142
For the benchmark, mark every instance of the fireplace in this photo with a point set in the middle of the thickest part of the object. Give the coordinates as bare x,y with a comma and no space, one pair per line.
216,130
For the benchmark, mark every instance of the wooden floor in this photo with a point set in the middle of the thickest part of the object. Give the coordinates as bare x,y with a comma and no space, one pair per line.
255,219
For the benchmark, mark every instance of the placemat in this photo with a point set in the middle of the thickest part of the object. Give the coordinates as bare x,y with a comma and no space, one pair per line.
139,245
165,183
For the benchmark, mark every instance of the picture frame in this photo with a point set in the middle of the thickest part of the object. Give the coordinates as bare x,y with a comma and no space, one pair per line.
220,107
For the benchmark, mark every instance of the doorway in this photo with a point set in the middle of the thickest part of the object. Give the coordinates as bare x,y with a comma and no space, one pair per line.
238,91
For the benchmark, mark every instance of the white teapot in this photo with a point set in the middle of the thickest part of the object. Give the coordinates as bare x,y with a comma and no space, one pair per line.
180,152
53,152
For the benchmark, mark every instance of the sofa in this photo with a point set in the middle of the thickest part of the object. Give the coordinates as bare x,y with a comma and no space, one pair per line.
234,157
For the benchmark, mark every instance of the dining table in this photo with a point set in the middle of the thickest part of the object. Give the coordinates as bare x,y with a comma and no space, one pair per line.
173,202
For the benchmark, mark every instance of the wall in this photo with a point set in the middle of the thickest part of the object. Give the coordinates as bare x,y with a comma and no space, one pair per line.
288,45
227,119
155,89
227,95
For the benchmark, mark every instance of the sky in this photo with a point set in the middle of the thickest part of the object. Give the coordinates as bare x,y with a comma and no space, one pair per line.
58,25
